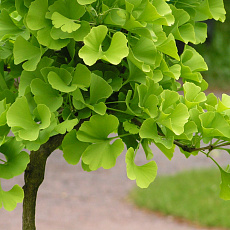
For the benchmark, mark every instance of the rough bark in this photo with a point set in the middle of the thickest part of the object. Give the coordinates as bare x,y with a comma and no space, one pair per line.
34,176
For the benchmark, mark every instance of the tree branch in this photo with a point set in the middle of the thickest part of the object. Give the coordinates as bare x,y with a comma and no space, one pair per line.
186,147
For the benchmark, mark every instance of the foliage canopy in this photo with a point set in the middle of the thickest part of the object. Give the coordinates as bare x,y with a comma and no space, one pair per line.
107,74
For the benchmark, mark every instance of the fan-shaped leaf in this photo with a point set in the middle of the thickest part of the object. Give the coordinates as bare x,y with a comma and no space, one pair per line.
10,199
144,174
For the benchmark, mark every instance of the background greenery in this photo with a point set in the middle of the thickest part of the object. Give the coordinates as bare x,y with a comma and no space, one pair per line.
192,195
216,52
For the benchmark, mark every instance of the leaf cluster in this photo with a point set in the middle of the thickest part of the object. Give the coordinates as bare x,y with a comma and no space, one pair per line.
107,74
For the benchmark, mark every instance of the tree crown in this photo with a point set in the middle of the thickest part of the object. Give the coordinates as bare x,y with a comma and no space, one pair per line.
107,74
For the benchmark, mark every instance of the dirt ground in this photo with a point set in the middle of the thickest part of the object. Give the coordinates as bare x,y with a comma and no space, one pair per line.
71,199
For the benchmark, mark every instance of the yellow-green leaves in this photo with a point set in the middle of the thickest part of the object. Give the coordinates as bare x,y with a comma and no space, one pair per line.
22,123
66,24
99,89
64,15
26,51
8,27
225,184
214,125
185,30
211,9
144,174
73,148
17,159
193,95
45,94
169,47
36,15
85,2
101,153
9,199
92,50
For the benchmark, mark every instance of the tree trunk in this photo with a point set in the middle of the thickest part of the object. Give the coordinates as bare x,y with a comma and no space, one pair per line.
34,176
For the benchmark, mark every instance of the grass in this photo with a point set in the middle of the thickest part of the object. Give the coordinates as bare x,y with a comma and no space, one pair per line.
191,195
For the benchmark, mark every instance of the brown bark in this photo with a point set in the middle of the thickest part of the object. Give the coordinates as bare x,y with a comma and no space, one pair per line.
34,176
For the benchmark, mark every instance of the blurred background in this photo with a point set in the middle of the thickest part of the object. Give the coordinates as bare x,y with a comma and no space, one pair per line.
216,52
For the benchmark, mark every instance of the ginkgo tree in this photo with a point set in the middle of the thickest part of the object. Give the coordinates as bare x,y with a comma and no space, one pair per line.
93,77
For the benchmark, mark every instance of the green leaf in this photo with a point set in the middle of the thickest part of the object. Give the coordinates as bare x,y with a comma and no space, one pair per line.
98,128
224,104
144,174
20,119
99,89
211,9
35,18
92,50
44,94
78,35
214,124
7,26
73,148
26,51
102,154
193,95
168,152
169,100
43,137
17,160
148,151
149,130
44,38
66,126
193,59
175,120
131,128
85,2
3,110
61,79
82,76
169,47
143,54
68,8
28,76
6,49
225,185
66,24
60,83
10,199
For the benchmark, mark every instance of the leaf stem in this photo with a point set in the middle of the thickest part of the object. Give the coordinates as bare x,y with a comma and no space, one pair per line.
114,102
119,136
117,110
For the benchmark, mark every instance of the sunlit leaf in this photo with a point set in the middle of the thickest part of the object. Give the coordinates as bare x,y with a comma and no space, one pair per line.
7,26
20,119
73,148
26,51
92,50
101,153
9,199
66,24
144,174
225,184
16,159
36,15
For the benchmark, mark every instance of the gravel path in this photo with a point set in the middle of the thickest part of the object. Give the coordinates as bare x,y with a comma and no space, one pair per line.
71,199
